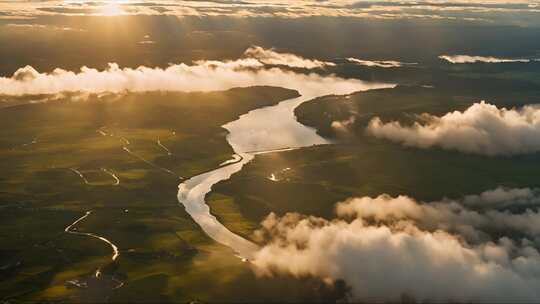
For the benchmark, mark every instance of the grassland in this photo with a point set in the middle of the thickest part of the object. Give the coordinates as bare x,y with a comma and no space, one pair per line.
358,164
63,158
122,156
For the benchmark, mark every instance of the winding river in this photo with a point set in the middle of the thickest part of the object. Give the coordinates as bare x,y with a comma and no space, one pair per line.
264,130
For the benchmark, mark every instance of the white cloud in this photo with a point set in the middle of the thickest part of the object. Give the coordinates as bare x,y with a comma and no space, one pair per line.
502,197
449,215
474,59
201,76
481,129
343,126
379,63
271,57
386,247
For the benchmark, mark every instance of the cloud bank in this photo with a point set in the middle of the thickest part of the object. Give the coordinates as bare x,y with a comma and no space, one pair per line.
271,57
429,9
503,198
387,247
475,59
379,63
201,76
481,129
30,26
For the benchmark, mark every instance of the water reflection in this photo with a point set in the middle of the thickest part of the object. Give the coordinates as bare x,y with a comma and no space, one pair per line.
264,130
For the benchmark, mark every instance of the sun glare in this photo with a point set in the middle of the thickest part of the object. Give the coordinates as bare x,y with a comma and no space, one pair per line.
111,10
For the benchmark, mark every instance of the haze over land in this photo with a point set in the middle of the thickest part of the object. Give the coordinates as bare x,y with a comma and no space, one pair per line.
270,151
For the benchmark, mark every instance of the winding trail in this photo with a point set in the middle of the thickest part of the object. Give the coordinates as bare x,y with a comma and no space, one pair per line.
126,143
79,173
265,130
125,140
150,163
125,148
32,142
87,182
111,173
163,147
100,131
69,229
98,274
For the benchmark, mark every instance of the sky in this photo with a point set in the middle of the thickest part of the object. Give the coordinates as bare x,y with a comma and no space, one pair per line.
69,34
480,10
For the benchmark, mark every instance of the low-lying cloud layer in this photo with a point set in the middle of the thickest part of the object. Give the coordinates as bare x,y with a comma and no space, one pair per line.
483,59
387,247
201,76
271,57
379,63
481,129
343,126
31,26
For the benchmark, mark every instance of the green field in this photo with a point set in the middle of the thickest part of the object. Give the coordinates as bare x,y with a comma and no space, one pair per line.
359,165
122,156
164,256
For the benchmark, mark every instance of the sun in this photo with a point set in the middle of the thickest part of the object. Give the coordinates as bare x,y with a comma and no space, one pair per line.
111,9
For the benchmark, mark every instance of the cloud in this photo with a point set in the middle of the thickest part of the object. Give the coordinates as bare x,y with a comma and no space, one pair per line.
146,41
200,76
481,129
379,63
475,59
450,10
448,215
27,73
35,26
343,126
271,57
501,198
387,247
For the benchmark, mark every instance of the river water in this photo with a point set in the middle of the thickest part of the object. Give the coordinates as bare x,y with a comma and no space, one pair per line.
264,130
